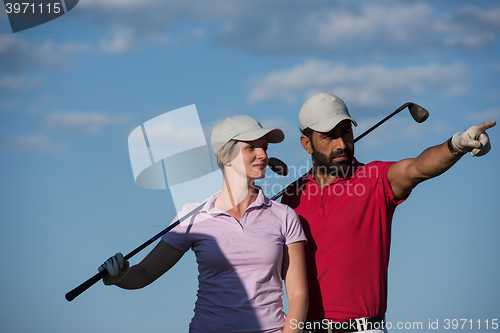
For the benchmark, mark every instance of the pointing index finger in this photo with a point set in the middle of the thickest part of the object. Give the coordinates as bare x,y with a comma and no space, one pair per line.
484,126
478,129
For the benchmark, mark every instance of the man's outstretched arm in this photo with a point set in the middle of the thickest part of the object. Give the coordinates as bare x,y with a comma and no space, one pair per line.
408,173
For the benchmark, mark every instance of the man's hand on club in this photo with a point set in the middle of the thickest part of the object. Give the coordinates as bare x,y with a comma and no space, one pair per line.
474,140
117,268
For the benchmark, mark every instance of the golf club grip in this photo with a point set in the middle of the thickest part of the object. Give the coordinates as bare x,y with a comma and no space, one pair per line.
90,282
84,286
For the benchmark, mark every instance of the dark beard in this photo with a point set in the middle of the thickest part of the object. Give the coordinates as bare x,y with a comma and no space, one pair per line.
325,165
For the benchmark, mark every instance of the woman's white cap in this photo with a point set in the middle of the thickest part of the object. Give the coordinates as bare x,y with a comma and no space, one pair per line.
323,112
242,128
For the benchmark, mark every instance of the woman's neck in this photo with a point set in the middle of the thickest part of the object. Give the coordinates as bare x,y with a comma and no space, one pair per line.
236,195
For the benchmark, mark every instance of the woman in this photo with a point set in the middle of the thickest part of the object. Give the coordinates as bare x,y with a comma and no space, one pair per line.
245,244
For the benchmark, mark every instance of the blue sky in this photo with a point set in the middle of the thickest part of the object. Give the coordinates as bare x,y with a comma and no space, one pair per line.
72,90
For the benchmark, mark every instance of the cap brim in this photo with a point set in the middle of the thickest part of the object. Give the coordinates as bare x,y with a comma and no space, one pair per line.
327,124
274,135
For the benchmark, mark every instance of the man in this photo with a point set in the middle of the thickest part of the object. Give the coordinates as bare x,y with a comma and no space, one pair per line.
346,209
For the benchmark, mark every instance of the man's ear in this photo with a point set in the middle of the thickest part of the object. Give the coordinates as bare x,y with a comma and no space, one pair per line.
306,143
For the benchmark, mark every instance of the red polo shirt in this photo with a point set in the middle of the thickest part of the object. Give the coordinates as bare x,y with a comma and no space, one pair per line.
348,227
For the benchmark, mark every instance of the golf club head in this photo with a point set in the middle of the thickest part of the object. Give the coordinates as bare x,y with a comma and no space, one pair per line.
278,166
418,113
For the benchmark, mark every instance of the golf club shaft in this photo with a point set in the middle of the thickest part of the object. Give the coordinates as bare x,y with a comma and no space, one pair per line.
87,284
296,182
93,280
281,167
398,110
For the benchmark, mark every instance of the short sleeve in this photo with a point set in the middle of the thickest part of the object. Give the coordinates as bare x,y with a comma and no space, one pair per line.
294,231
391,199
178,237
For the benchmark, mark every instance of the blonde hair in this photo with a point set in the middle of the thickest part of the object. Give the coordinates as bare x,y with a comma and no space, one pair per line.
224,153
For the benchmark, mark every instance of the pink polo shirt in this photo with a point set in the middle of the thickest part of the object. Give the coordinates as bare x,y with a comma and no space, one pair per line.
239,264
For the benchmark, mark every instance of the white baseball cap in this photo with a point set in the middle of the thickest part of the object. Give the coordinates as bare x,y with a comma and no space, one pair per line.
323,112
242,128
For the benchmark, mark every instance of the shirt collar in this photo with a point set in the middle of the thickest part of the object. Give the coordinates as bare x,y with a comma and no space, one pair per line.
210,208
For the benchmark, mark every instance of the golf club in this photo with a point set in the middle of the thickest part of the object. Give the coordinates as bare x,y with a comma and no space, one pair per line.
418,113
278,166
274,164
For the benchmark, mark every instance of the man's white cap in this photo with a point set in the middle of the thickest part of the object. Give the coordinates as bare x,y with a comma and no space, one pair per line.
323,112
242,128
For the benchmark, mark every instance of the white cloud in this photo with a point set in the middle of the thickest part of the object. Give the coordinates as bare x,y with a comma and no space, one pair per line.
81,122
18,82
132,24
36,143
484,116
17,53
362,30
168,11
70,48
373,30
115,4
126,38
470,28
368,85
397,24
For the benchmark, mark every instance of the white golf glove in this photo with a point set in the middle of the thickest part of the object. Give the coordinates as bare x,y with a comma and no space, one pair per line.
117,267
473,140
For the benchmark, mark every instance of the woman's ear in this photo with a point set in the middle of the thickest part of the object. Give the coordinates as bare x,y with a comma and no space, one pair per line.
229,156
225,158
